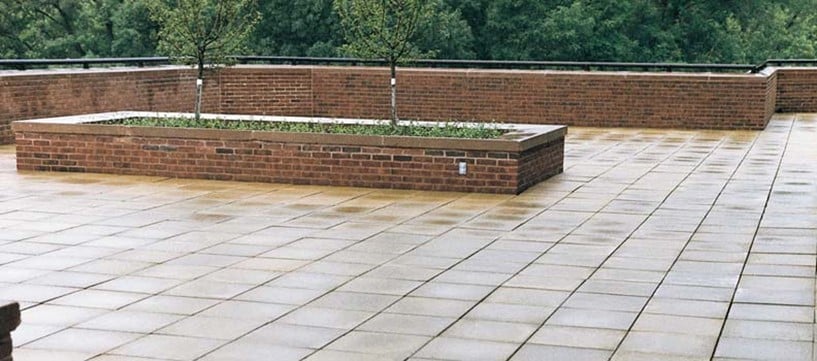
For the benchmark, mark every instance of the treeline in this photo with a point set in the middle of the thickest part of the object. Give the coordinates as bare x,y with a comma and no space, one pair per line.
692,31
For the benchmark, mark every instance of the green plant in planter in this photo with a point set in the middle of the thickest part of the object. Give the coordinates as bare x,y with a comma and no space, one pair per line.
443,130
203,33
383,29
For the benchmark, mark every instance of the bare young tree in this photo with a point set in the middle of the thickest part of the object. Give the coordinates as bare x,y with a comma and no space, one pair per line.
382,29
204,33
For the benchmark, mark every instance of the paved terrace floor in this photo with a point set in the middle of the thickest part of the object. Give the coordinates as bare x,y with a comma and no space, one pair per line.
653,245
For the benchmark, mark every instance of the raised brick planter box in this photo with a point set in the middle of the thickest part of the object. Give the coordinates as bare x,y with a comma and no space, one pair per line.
524,156
9,320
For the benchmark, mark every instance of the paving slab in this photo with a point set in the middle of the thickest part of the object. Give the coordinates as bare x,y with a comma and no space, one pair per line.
652,245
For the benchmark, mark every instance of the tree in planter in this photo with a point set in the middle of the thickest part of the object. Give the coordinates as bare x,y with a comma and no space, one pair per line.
382,29
203,33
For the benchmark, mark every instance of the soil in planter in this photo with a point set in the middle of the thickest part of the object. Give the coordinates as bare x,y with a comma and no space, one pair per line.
444,130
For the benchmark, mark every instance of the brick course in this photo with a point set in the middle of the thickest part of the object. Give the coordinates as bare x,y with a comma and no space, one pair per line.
619,99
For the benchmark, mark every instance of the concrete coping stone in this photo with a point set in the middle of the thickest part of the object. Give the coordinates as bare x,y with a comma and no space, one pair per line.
518,138
407,70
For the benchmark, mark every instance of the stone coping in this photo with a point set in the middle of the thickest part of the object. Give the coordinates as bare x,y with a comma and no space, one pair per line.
520,137
92,70
705,75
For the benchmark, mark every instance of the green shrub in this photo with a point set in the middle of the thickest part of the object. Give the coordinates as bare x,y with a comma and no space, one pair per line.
444,130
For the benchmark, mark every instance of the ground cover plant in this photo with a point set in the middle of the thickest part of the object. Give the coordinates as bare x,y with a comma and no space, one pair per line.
443,130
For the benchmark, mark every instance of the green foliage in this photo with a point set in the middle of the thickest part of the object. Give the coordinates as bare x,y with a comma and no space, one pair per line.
12,22
645,30
54,27
382,29
774,31
75,29
602,30
313,28
297,28
134,32
692,31
446,130
473,12
444,34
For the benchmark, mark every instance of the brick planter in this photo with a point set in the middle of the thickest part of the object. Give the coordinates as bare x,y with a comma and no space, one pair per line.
524,156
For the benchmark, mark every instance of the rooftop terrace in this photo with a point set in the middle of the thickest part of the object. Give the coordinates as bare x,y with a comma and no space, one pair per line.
653,245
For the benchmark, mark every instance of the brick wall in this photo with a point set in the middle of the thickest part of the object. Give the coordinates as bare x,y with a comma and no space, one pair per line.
796,90
265,91
570,98
662,100
285,162
532,162
38,94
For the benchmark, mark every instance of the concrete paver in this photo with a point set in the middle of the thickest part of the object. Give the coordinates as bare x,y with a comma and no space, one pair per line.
653,245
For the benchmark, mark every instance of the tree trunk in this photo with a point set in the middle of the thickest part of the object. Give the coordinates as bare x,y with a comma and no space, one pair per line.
199,86
393,83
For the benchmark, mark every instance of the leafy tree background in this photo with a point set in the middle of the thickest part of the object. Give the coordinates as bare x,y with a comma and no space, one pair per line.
297,28
722,31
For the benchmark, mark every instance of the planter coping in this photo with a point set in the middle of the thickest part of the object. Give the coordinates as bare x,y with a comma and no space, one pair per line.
519,137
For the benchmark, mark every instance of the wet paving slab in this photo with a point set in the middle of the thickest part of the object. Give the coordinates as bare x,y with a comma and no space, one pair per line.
652,245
